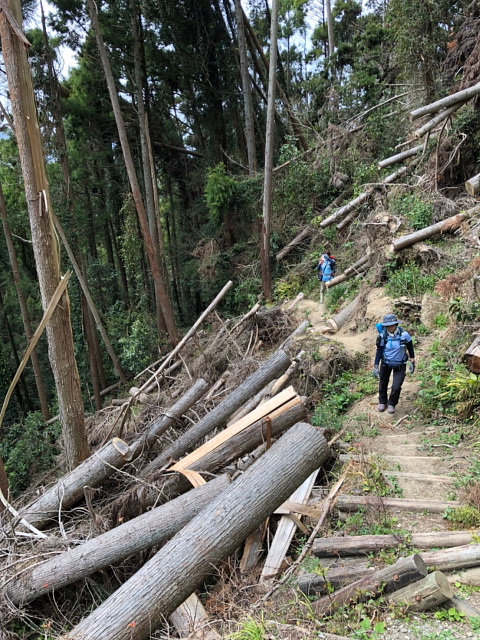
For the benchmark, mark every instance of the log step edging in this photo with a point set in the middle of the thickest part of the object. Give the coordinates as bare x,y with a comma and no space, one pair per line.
353,503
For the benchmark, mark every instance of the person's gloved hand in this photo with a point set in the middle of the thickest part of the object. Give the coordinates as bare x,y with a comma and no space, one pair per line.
411,367
376,373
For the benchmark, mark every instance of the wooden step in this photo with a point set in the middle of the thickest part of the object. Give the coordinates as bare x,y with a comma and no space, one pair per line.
420,477
353,503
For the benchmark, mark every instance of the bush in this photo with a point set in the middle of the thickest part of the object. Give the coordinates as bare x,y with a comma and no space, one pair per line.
418,212
410,281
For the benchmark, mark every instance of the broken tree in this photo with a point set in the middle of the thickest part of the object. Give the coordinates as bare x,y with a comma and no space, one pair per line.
183,564
449,224
472,356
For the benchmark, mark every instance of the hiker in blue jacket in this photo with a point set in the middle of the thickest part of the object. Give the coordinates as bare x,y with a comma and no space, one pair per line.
326,271
394,350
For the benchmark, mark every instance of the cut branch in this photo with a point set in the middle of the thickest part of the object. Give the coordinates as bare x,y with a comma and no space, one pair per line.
434,122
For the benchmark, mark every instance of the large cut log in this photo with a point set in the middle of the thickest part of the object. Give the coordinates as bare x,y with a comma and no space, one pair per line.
313,583
425,594
456,558
103,464
434,122
299,238
363,545
152,528
218,417
387,580
463,606
353,270
353,503
473,185
182,565
336,322
285,532
472,356
443,103
236,447
450,224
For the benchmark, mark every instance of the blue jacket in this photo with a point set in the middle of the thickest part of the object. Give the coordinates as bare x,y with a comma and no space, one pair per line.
325,270
393,350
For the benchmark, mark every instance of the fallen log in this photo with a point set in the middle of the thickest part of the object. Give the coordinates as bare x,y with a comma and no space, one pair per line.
218,417
363,545
444,103
400,157
104,463
469,576
425,594
353,503
152,528
299,238
182,565
353,270
239,445
473,185
456,558
471,356
450,224
434,122
315,584
386,581
363,197
336,322
462,606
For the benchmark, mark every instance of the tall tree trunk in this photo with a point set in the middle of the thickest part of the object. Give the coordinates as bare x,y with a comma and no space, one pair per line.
268,176
331,40
22,301
59,329
91,354
154,262
246,90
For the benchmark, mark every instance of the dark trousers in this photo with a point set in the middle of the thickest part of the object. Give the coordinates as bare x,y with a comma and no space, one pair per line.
398,378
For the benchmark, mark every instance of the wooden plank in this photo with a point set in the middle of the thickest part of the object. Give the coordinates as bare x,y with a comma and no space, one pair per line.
353,503
281,401
191,620
421,477
285,532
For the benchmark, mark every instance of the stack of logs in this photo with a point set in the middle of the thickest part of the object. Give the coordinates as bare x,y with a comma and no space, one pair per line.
214,507
348,576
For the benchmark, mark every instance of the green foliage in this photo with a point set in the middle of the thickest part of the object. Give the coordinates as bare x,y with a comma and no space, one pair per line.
219,191
417,211
369,630
337,397
28,448
410,281
288,288
446,634
452,615
463,517
250,629
441,321
361,524
464,312
464,391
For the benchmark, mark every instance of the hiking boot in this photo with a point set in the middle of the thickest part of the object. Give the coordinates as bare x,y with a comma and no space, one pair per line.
391,409
382,407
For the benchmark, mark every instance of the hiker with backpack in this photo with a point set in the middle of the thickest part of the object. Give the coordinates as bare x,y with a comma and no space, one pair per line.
394,350
327,266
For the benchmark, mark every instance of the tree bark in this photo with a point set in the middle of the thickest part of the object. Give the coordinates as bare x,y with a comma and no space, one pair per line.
312,583
96,469
22,301
363,545
218,417
463,606
182,565
473,185
425,594
153,257
269,148
246,90
152,528
469,576
387,580
443,103
456,558
47,259
3,483
450,224
434,122
353,503
400,157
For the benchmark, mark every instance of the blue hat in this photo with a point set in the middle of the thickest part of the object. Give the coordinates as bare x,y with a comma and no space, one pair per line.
390,319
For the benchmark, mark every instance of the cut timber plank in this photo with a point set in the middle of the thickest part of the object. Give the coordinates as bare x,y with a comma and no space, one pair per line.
285,532
352,503
423,477
276,403
191,620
